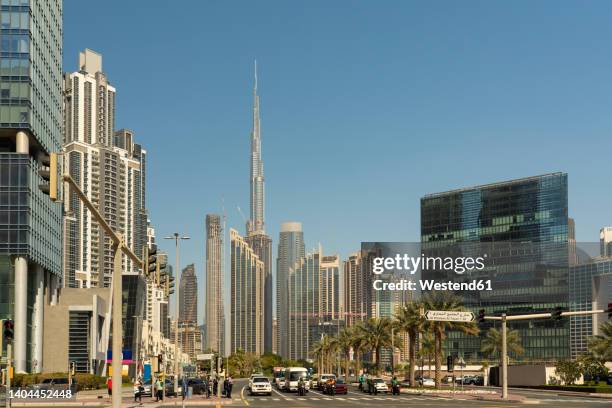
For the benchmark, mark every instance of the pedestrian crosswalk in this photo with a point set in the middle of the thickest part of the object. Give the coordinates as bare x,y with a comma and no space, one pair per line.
351,398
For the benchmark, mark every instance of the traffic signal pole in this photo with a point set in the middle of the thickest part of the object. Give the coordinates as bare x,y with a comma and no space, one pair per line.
504,318
119,248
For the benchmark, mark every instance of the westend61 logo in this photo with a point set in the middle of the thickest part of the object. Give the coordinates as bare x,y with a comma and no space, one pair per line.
411,264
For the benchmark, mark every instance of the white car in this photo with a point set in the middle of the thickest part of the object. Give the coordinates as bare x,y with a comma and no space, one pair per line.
260,385
279,382
323,379
380,385
427,382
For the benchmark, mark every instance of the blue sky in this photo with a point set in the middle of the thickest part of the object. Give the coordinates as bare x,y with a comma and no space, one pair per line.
365,106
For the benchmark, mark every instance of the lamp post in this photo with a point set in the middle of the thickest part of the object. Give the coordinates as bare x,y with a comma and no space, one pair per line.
176,237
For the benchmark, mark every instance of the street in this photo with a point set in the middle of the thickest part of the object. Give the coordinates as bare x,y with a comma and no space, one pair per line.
241,398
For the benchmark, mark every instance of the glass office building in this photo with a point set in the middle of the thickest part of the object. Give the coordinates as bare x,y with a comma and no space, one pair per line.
521,229
30,126
590,289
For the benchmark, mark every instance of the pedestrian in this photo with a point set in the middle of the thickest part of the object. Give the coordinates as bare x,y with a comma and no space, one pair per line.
137,390
184,387
230,384
225,386
207,386
215,385
159,390
109,386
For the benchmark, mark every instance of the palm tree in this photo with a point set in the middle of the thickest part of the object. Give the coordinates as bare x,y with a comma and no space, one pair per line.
345,342
409,319
377,334
492,343
601,345
359,343
317,353
450,302
427,350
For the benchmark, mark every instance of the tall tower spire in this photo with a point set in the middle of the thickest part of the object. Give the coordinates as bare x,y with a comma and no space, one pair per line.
256,220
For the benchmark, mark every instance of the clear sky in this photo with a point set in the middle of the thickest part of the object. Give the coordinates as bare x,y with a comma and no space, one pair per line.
365,106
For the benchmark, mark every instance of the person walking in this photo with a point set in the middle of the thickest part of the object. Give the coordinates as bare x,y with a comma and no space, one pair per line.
137,390
159,389
207,386
184,387
230,385
109,386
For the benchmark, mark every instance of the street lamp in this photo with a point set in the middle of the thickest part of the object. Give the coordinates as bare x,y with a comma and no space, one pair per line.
176,237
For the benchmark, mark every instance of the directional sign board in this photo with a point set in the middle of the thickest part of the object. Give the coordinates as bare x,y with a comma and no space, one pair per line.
449,316
204,357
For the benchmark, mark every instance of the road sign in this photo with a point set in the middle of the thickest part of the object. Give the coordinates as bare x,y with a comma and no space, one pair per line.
449,316
204,357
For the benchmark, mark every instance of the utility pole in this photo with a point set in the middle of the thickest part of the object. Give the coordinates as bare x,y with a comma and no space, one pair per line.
119,248
177,237
504,357
392,352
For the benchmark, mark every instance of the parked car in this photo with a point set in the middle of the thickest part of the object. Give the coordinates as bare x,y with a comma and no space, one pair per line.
148,388
196,385
380,385
260,385
58,383
339,387
427,382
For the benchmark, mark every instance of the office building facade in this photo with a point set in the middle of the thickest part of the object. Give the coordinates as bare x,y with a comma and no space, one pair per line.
590,288
521,228
214,313
247,297
30,128
290,249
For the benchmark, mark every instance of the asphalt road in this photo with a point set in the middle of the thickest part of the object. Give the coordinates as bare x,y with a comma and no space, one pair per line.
357,399
354,398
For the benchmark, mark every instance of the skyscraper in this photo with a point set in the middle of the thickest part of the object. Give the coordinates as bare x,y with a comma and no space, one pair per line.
605,241
188,303
109,168
215,316
247,297
290,250
30,127
357,289
522,228
256,235
255,224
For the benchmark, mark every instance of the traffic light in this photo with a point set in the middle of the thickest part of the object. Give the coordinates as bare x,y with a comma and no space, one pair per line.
556,314
9,331
450,364
150,260
609,311
49,175
481,316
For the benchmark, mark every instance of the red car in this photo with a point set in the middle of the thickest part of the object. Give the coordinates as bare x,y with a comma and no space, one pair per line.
339,388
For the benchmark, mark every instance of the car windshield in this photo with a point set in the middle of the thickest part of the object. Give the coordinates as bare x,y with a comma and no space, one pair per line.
326,377
60,381
378,380
339,381
295,375
260,380
47,381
